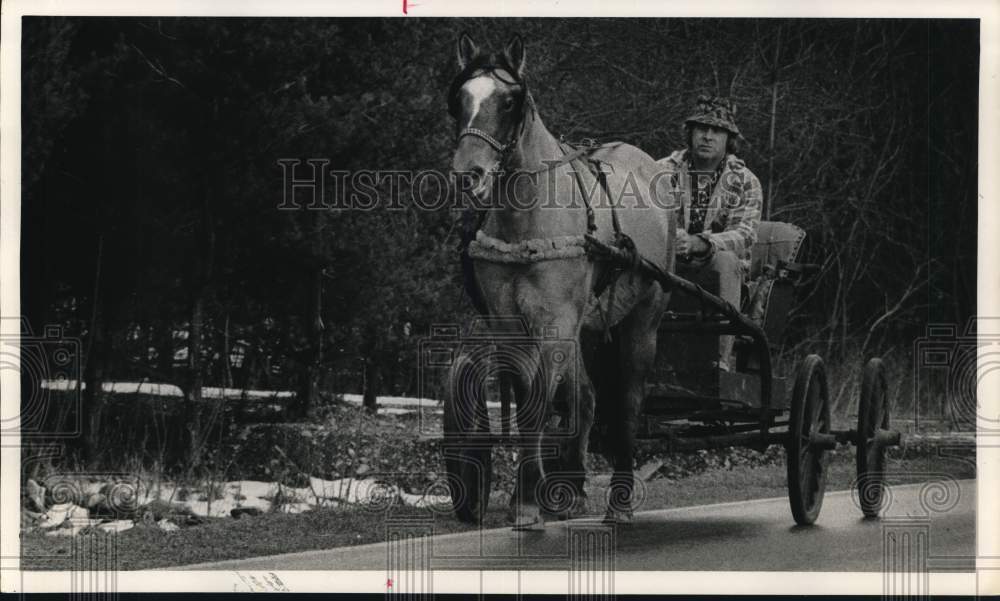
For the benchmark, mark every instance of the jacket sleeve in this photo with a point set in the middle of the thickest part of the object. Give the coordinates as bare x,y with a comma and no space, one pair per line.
744,215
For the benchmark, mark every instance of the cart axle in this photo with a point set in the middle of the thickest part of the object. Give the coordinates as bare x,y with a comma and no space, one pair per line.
830,440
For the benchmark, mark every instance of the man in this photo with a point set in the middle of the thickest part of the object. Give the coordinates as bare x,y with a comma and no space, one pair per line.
720,202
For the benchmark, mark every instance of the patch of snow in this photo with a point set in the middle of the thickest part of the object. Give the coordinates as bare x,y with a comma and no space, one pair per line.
251,489
392,405
67,519
60,513
167,526
74,527
425,501
398,401
295,508
351,490
116,526
220,507
208,392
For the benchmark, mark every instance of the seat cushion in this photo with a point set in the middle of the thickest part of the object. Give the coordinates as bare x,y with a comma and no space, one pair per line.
776,241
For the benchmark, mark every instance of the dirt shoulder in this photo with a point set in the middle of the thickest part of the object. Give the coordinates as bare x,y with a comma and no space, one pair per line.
147,546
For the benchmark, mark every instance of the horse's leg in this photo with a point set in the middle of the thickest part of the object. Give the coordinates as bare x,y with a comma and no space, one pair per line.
519,388
636,346
556,363
531,416
578,438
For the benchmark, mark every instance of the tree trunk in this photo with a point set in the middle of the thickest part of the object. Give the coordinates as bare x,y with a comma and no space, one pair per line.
308,395
202,279
192,392
93,368
93,396
165,350
370,396
227,366
766,209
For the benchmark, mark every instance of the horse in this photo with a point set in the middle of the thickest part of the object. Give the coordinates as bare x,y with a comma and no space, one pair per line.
529,260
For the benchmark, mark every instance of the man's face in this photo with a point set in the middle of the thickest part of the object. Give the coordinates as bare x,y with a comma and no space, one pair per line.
708,143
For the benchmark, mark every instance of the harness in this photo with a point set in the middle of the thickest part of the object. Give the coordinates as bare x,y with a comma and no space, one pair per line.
476,244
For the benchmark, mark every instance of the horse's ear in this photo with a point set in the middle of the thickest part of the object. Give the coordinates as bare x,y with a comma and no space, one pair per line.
515,54
467,50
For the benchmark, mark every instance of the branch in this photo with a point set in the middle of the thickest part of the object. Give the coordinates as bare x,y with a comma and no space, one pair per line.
157,68
616,67
915,285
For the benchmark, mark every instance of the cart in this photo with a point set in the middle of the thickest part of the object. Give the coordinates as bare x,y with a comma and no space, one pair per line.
691,405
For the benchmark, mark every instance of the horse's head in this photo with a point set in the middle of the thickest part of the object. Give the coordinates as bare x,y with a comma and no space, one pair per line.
489,101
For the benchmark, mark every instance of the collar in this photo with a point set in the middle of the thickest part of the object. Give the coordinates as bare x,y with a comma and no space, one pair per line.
679,158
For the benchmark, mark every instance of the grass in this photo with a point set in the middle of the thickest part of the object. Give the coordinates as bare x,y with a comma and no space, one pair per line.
146,546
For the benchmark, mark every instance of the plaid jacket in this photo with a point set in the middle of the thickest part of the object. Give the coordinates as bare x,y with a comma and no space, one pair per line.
733,210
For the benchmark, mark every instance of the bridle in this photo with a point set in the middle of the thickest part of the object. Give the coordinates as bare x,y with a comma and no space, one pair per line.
491,65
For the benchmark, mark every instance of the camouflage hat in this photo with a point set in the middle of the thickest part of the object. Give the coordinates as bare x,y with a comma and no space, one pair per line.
716,111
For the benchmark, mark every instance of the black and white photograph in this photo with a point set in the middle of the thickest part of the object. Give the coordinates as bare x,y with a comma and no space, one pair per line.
406,303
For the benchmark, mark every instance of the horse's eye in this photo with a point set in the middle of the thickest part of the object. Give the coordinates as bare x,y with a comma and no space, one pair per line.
508,105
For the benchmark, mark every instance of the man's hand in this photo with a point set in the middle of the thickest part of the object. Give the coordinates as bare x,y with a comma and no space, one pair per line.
688,245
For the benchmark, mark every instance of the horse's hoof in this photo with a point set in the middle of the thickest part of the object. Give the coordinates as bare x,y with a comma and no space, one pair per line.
618,517
529,518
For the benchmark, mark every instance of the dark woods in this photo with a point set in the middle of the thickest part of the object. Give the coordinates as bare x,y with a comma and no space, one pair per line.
150,181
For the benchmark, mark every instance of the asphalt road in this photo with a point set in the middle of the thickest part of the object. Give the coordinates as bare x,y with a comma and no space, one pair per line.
746,536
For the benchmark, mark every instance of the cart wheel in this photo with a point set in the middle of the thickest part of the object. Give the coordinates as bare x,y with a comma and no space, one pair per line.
468,461
810,413
873,415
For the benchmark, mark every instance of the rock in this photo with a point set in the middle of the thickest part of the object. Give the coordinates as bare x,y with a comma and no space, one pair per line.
295,508
89,488
93,500
72,527
362,469
253,489
77,513
167,526
239,512
58,514
425,501
101,506
117,526
120,499
647,471
157,510
36,494
30,519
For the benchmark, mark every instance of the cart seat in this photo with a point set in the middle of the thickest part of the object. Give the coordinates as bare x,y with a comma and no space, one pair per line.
770,290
